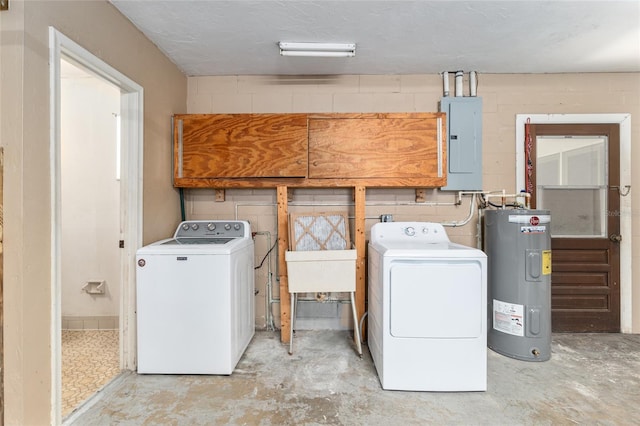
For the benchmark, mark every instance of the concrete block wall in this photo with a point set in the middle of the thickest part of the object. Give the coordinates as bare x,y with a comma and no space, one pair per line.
504,96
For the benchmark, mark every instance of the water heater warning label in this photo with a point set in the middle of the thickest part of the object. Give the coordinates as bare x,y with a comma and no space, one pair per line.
508,318
533,229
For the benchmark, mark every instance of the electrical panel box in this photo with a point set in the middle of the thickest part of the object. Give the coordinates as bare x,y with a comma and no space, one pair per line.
464,142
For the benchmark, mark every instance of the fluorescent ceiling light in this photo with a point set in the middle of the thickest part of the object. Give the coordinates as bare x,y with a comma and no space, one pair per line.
334,50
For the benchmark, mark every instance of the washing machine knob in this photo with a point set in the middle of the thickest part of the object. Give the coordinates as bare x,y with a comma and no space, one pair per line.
194,226
410,231
211,226
185,226
236,226
425,230
227,226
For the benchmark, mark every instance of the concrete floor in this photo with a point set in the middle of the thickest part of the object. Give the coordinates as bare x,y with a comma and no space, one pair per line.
590,379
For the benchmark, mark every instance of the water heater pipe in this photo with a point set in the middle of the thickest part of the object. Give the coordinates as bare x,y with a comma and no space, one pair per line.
504,196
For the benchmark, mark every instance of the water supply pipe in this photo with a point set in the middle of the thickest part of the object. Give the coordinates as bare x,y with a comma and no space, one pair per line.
504,196
269,296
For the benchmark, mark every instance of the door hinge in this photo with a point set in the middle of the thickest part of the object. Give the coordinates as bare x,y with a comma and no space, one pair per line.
121,244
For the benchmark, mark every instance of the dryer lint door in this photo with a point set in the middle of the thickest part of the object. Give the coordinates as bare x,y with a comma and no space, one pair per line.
436,298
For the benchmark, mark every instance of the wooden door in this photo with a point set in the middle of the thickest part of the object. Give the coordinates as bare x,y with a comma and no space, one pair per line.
574,172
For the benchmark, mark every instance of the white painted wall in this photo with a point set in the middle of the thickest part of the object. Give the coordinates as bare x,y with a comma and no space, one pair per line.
90,196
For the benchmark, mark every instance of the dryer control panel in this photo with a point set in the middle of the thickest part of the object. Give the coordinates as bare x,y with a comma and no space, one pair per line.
425,232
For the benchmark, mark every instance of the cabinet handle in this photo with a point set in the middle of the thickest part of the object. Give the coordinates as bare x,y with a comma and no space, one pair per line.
439,131
180,148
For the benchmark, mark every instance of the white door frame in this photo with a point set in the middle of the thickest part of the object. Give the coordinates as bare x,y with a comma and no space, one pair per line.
131,111
624,120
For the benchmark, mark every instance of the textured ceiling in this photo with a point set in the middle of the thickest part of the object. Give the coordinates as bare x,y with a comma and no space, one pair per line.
393,37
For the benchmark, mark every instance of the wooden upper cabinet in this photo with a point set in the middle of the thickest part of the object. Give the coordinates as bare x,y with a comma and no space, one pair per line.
310,150
240,145
390,146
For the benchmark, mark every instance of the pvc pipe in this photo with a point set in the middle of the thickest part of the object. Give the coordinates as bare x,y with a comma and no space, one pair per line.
347,204
269,296
459,76
445,83
473,83
468,218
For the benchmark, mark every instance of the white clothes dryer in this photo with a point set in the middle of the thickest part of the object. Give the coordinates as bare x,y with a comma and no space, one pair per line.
195,299
427,309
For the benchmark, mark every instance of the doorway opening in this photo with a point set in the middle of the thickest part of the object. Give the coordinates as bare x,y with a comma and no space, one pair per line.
92,261
90,224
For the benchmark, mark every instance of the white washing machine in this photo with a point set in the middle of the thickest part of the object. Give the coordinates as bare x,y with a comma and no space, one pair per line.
427,309
195,299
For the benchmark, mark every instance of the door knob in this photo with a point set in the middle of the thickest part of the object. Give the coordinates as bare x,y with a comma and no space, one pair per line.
616,238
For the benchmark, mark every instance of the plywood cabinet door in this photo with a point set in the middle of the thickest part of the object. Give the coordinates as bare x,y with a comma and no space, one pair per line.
385,146
240,145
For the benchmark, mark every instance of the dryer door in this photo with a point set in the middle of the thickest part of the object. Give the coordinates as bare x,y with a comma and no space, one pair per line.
436,298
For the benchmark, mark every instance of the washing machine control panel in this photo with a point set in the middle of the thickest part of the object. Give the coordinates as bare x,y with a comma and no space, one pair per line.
213,229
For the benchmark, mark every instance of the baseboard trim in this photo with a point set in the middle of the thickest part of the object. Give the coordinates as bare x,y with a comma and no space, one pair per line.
90,322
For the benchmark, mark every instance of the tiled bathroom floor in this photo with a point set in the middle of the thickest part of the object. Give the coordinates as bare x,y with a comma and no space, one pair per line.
90,359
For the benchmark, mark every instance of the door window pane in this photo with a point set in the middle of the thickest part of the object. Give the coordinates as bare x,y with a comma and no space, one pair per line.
571,182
